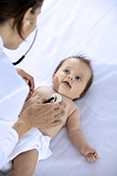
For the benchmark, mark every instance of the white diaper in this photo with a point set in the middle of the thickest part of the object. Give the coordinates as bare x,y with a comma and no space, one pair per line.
33,139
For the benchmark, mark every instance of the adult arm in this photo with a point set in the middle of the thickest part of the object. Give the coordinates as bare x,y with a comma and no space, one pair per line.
13,92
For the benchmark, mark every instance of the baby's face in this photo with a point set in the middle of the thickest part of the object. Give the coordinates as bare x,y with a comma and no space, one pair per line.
71,78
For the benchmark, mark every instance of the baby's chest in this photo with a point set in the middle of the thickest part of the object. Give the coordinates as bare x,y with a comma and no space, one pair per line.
52,131
68,110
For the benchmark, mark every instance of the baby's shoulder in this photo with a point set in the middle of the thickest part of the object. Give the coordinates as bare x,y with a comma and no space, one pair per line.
43,90
71,106
41,93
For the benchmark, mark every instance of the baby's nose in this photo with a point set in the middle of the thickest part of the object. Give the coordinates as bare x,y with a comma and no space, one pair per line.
70,77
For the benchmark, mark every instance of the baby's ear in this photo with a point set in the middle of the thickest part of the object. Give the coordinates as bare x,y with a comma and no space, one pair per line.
55,82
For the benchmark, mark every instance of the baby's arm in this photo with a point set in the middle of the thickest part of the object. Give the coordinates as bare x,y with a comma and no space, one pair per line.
77,137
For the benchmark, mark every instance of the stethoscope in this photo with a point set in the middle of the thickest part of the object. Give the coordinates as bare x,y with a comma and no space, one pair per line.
30,47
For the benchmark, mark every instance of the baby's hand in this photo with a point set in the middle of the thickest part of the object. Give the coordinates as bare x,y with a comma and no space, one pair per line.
90,154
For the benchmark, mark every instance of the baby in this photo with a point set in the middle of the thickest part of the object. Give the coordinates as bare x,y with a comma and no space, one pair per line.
71,80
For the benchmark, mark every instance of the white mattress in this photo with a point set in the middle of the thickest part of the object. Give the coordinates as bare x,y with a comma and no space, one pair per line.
89,27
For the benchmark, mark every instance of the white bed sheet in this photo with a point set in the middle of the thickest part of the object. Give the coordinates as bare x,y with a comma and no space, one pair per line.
89,27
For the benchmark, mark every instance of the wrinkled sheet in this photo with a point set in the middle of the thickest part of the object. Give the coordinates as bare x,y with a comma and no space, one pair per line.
88,27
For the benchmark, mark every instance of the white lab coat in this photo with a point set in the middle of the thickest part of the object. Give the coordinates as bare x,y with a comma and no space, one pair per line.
13,92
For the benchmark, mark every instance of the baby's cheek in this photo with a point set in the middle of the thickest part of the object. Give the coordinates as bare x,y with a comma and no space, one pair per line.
56,82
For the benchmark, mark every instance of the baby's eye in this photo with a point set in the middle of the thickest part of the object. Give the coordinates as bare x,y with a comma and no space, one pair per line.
78,78
67,71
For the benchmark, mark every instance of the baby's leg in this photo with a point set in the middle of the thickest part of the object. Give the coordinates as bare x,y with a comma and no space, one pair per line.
25,163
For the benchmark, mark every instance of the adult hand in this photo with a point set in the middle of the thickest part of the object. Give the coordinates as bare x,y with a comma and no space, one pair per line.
42,115
28,78
39,116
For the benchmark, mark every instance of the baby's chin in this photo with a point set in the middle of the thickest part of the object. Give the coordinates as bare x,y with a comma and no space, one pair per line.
64,93
61,90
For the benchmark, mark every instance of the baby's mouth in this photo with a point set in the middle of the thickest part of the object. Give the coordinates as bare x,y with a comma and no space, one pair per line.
67,84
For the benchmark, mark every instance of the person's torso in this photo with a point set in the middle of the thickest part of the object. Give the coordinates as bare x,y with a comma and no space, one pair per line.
69,108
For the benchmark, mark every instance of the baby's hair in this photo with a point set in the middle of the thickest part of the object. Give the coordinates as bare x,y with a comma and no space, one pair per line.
88,63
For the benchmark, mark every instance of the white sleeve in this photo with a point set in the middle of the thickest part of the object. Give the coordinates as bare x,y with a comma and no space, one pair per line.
8,141
13,92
